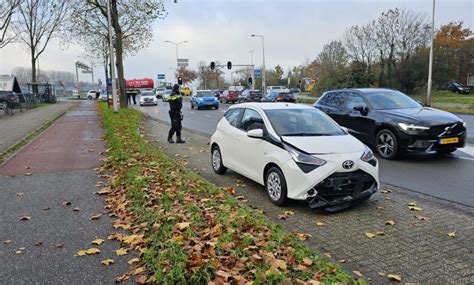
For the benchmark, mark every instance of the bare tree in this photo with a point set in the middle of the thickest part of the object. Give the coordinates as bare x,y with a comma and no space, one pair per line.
387,31
360,43
131,21
7,10
38,22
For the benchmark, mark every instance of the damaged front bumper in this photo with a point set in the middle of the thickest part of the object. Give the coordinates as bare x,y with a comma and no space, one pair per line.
340,189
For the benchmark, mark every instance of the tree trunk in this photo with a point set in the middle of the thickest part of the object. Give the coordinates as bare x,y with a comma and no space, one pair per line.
382,70
390,62
33,67
119,54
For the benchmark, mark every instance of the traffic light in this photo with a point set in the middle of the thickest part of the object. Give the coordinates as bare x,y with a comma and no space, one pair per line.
229,65
250,81
213,65
180,80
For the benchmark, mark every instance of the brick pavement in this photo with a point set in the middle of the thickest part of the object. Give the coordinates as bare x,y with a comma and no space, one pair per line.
417,250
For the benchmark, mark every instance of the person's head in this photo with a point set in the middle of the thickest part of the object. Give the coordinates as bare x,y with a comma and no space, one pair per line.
176,88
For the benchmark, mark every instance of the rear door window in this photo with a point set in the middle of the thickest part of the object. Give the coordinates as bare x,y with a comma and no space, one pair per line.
233,116
251,120
355,100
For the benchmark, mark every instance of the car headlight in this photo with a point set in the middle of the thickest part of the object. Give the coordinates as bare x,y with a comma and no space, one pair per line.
464,124
412,127
303,158
368,155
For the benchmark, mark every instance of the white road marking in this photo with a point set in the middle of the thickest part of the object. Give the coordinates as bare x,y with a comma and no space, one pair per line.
207,116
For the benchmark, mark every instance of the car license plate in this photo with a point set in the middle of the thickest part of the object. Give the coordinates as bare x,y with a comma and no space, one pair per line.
209,104
449,140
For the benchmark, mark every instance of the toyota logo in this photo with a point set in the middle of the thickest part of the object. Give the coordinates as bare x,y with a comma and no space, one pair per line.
348,164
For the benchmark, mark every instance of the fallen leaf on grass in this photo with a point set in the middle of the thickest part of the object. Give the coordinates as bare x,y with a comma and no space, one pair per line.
415,208
320,224
182,226
95,216
341,261
390,222
107,261
307,261
386,191
382,274
25,218
412,204
394,277
103,191
379,207
138,270
97,241
121,251
230,190
303,236
370,235
133,260
357,273
452,234
141,279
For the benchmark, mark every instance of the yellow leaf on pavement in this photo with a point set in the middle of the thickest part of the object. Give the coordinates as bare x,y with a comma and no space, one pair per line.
96,216
121,251
370,235
394,277
415,208
390,222
289,213
412,204
380,233
320,224
81,253
452,234
182,226
92,250
133,260
97,241
25,218
107,261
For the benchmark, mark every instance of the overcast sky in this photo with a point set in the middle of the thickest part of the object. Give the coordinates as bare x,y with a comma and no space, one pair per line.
295,32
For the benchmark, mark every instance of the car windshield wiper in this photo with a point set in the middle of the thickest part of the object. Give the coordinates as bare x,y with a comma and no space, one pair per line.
305,135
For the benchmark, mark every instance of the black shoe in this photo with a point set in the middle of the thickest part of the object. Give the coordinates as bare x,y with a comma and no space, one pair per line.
170,140
180,140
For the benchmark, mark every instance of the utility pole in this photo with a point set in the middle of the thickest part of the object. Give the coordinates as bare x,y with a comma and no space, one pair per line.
253,71
112,64
264,85
176,46
430,68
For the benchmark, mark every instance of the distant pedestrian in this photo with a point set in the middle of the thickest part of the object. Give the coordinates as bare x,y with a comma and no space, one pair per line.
176,104
97,94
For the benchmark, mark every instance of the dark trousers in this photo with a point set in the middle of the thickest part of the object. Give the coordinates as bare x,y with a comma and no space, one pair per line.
175,118
130,98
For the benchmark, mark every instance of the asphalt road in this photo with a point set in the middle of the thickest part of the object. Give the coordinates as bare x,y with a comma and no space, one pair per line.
450,177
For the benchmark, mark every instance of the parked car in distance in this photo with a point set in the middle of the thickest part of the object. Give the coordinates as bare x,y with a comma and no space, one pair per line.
159,91
185,91
148,97
229,96
295,91
276,96
296,152
103,97
166,95
393,122
277,88
455,87
204,99
91,94
250,95
217,93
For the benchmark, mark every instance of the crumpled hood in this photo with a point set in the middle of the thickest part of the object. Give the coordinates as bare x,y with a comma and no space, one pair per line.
425,116
326,144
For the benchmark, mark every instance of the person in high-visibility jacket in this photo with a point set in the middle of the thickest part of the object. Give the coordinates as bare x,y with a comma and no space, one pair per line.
176,103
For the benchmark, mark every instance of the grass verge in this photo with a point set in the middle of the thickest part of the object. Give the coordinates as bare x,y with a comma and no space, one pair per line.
24,141
188,231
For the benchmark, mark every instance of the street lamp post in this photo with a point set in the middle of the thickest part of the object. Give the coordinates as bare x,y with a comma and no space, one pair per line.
430,68
176,45
263,73
112,64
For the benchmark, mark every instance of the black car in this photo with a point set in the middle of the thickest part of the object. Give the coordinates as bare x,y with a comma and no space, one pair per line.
455,87
250,95
392,122
276,96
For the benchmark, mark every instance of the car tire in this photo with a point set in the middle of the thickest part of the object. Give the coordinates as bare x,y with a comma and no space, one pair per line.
89,97
446,151
217,107
216,161
275,185
386,144
192,106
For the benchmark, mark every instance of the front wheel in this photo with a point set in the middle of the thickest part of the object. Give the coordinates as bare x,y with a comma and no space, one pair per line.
275,184
216,160
192,106
386,144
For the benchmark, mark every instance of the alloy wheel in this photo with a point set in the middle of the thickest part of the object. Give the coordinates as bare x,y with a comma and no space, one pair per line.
274,186
216,159
385,144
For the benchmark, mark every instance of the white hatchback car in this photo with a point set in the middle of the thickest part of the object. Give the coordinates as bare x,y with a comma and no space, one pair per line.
148,98
296,152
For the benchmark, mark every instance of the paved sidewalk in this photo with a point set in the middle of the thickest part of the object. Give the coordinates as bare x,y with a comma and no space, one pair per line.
14,128
417,247
46,181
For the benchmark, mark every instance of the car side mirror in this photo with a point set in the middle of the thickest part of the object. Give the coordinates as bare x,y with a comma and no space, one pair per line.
255,133
363,110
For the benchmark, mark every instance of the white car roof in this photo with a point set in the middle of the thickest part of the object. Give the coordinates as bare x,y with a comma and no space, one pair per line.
272,106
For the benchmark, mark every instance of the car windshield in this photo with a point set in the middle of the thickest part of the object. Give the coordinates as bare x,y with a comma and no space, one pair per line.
457,84
303,122
148,93
204,94
386,100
